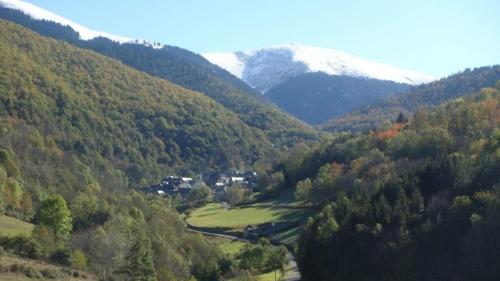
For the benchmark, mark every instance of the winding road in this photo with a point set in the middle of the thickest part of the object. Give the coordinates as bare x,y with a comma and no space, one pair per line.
292,273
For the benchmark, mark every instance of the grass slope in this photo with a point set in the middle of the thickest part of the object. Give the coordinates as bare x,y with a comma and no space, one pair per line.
12,227
17,269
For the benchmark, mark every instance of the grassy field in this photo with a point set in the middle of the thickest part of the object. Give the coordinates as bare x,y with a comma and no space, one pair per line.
214,215
11,226
289,236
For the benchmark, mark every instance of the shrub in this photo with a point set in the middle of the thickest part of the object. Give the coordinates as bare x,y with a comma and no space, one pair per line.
30,272
61,256
21,246
79,260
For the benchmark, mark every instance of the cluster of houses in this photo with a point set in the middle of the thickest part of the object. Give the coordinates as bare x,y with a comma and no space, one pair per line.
219,183
246,179
172,185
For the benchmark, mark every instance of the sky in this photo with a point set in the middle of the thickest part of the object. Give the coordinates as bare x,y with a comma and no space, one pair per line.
437,37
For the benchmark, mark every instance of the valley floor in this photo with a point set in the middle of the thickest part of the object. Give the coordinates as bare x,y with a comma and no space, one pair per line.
226,226
216,218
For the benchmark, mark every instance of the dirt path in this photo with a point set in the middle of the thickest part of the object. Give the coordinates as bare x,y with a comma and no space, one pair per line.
292,273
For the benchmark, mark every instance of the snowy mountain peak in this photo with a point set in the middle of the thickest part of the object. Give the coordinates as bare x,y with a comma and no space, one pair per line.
268,67
40,14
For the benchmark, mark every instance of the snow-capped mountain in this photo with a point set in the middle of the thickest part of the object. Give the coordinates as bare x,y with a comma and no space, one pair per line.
268,67
41,14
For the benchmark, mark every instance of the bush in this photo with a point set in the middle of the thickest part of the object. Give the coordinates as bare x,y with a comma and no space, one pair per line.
31,272
21,246
15,268
79,260
61,256
47,273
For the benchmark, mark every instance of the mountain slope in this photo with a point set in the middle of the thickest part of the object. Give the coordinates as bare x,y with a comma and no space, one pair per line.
89,105
186,69
317,97
80,128
418,201
428,95
268,67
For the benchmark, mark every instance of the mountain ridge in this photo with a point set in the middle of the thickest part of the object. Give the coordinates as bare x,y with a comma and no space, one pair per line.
316,97
42,14
267,67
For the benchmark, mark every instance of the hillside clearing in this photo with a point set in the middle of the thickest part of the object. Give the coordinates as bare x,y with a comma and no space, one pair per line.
17,269
10,226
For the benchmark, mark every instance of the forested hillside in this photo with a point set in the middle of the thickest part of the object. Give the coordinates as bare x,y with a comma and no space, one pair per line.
78,129
317,97
186,69
428,95
416,201
83,103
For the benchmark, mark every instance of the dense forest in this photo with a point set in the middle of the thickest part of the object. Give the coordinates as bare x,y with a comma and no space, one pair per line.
419,200
77,130
317,97
188,70
427,95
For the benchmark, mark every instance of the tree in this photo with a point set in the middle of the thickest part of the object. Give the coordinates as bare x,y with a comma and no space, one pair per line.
234,195
55,214
401,118
199,196
277,260
27,205
138,264
303,189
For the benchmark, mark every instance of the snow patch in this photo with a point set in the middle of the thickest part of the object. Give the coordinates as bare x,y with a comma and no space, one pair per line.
40,14
231,62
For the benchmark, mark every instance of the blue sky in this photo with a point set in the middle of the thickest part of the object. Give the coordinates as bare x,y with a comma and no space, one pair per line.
437,37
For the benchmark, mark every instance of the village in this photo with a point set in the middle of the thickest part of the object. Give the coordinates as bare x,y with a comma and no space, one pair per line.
218,183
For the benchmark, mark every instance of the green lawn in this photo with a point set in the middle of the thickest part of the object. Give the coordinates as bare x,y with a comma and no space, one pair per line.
214,215
289,236
11,226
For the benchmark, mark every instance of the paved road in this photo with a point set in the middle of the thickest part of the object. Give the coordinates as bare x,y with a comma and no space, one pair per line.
292,273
